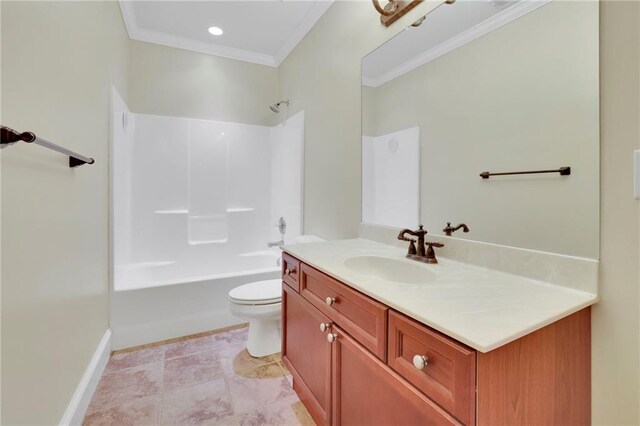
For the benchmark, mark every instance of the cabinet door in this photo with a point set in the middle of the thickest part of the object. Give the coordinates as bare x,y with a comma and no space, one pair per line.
367,392
307,353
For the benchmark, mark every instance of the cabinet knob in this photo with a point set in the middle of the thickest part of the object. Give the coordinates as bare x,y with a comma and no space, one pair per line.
325,327
331,337
420,361
290,271
330,300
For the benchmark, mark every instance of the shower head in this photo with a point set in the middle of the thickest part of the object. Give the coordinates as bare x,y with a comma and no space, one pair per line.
276,107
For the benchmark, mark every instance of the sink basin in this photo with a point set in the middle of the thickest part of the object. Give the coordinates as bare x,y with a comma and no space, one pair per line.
387,269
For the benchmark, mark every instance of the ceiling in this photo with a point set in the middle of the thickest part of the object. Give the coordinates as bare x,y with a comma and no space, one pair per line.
445,28
262,32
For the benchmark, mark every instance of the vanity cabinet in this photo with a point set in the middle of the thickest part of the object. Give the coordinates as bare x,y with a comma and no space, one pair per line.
355,361
306,353
368,392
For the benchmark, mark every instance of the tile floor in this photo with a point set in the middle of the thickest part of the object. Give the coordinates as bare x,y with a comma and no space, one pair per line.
204,380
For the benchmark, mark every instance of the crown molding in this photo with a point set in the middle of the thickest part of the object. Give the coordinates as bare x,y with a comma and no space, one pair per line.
371,82
178,42
311,18
493,23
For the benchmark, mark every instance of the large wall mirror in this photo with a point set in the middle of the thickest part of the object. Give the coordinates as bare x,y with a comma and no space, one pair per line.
487,86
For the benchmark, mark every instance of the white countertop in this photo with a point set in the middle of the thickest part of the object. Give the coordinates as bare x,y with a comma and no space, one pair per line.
479,307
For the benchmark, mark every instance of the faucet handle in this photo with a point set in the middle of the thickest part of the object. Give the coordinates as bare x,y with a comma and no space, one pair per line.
412,247
412,242
430,256
282,226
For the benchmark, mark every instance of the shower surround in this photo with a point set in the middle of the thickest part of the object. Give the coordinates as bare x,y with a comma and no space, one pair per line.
194,204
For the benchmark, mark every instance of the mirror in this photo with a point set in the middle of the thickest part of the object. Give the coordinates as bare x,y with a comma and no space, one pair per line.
487,86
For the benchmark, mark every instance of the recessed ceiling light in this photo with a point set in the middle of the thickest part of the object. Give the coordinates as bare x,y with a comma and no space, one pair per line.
216,31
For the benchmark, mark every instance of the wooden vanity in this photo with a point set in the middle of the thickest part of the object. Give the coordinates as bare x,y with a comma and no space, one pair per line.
355,361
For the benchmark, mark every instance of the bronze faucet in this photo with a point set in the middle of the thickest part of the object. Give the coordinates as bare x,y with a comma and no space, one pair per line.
420,233
418,252
450,230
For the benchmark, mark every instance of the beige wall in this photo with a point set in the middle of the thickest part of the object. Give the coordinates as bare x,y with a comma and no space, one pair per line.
522,97
322,76
58,59
616,331
180,83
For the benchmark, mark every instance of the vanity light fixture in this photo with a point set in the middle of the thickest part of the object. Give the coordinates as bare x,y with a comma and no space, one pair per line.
216,31
396,9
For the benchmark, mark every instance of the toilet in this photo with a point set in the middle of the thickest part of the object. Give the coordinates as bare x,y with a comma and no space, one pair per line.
260,302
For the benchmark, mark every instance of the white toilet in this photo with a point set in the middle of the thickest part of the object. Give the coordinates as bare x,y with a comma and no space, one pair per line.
261,303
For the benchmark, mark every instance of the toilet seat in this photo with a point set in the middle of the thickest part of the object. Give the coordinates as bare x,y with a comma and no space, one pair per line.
265,292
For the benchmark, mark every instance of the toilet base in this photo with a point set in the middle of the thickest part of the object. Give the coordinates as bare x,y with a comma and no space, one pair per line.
264,337
264,319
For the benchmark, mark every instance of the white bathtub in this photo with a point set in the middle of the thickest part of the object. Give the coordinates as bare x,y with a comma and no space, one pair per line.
160,300
142,275
193,206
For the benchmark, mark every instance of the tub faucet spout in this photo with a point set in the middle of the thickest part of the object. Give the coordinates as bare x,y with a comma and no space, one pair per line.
276,244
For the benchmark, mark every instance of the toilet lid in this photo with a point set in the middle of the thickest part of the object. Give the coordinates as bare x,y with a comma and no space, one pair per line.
257,293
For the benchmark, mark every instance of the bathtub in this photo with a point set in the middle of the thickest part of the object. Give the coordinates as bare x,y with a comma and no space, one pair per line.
193,206
137,276
154,301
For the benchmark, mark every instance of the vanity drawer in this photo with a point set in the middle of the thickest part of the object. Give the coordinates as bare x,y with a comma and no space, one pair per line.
291,271
449,374
362,317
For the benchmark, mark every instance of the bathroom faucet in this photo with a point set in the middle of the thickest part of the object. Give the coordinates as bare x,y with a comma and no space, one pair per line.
419,253
420,233
450,229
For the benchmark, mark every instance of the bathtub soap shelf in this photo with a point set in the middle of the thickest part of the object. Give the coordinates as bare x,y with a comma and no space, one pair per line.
240,210
177,211
199,242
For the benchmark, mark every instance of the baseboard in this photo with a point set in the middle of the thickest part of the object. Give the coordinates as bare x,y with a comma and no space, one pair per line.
74,414
157,331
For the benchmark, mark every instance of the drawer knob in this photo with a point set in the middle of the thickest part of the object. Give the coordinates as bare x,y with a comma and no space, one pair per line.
331,337
330,300
420,361
290,271
325,327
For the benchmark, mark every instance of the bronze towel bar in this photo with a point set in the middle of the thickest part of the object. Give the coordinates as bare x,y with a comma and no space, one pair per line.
10,136
564,171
